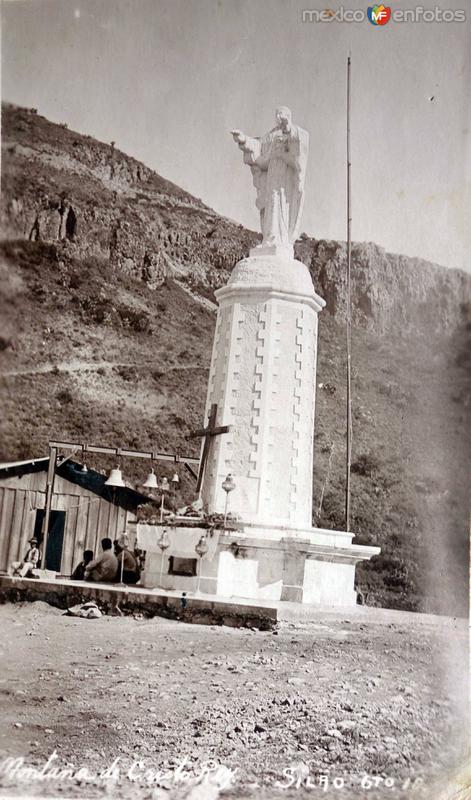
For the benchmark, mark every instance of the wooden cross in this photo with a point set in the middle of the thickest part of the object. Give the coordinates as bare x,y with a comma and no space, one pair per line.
208,433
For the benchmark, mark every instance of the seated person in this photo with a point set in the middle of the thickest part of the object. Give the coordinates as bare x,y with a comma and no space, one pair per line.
79,571
104,568
131,573
31,561
140,557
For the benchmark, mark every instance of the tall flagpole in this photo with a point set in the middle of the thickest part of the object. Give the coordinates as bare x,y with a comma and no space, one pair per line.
349,313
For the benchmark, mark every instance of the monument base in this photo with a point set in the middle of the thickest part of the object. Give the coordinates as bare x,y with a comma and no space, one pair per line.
313,566
286,252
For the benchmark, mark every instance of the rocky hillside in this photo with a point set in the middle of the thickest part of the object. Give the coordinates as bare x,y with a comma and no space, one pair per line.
108,273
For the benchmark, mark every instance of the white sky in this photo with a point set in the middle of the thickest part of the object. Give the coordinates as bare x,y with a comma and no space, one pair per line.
168,79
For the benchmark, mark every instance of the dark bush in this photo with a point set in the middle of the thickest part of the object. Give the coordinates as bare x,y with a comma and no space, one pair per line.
64,396
5,342
138,321
366,465
75,280
127,373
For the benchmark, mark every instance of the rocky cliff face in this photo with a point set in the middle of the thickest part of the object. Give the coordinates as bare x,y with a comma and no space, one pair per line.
389,292
59,185
118,208
108,274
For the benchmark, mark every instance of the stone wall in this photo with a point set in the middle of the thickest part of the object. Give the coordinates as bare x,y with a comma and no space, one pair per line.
198,611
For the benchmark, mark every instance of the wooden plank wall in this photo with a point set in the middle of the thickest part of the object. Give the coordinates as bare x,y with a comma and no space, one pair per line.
88,518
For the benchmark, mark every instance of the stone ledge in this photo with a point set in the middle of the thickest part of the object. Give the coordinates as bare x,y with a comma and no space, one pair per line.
267,291
277,274
203,611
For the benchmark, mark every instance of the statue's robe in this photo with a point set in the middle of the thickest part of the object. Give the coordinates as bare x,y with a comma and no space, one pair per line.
278,163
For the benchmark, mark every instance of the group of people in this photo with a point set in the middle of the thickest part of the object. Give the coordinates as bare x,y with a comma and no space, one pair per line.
115,563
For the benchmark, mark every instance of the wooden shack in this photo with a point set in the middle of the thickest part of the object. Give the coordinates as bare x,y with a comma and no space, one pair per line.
84,510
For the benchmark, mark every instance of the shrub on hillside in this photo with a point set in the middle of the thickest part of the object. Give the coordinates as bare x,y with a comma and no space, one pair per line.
30,255
366,464
127,373
97,309
64,396
138,321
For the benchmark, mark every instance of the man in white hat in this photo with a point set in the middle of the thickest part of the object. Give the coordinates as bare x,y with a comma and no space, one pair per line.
30,561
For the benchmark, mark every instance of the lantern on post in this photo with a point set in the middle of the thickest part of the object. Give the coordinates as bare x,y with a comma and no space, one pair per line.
164,544
201,549
228,485
164,487
123,543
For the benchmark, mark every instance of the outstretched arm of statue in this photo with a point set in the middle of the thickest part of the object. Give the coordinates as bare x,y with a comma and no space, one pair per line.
239,137
250,147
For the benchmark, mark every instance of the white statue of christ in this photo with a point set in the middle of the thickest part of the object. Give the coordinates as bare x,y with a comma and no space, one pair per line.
278,163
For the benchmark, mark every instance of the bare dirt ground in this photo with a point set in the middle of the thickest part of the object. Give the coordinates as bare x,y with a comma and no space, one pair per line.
364,693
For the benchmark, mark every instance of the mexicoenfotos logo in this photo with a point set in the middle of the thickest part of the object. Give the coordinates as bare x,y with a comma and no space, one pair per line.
379,15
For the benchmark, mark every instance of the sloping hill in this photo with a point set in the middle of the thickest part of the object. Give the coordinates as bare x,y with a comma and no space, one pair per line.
108,316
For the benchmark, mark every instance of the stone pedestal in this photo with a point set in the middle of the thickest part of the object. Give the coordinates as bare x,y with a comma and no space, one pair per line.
263,378
315,567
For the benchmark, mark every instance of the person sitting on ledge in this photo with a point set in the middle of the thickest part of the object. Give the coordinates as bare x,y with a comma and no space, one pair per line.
79,571
31,560
104,568
130,568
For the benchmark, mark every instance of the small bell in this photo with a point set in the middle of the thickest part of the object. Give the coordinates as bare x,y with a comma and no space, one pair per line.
151,481
115,478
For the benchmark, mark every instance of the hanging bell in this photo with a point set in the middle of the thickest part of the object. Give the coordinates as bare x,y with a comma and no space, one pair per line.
176,478
151,481
84,468
115,478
